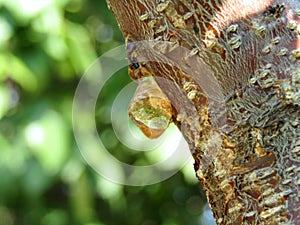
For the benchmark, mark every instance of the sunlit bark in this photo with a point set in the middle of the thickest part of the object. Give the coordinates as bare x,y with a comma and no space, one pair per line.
239,107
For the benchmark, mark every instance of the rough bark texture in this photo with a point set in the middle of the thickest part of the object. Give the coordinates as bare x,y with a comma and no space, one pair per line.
246,146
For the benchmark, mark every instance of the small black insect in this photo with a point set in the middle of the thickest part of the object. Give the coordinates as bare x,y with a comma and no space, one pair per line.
131,48
134,65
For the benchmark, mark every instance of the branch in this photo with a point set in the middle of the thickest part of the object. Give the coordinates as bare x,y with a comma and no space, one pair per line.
235,90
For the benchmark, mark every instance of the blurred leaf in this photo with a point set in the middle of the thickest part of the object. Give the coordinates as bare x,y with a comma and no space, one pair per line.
56,47
6,216
55,217
24,10
4,100
81,51
13,67
50,21
82,199
12,156
6,31
35,180
47,137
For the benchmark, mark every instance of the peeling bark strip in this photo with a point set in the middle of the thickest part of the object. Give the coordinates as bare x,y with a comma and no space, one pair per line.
251,168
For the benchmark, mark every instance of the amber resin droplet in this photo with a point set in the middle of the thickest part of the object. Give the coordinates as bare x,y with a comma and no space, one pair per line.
150,109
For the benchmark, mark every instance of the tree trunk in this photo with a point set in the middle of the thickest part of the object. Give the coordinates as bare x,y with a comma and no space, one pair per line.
235,95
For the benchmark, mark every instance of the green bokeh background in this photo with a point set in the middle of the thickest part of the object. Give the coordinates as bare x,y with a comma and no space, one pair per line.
45,48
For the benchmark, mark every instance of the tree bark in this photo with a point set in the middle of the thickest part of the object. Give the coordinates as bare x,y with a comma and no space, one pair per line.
236,96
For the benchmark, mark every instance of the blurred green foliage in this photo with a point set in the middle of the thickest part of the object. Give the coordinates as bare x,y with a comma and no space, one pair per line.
45,47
